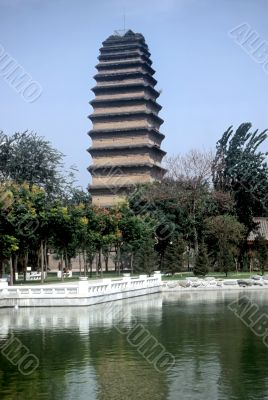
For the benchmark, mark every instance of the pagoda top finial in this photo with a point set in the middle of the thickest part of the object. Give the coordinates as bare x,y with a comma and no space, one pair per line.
120,32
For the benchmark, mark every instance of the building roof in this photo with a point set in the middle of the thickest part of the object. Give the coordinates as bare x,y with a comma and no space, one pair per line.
262,228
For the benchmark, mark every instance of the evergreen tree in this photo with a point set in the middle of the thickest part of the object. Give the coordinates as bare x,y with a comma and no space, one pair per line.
173,256
240,167
145,259
261,252
224,235
201,266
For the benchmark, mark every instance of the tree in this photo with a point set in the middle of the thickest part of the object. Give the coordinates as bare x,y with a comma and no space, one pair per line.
193,171
240,167
135,231
20,218
173,256
26,157
8,246
60,222
201,265
145,259
261,252
224,233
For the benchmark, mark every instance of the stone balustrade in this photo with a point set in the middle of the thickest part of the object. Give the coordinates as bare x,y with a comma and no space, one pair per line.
82,293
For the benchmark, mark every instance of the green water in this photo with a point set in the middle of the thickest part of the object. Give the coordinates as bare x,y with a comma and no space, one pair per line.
86,353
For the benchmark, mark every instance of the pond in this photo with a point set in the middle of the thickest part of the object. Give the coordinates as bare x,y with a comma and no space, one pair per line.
88,353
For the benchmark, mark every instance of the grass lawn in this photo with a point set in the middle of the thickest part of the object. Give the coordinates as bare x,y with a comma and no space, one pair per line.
219,275
52,278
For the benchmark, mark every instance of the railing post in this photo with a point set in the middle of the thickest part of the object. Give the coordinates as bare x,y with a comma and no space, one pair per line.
83,286
157,274
127,279
3,283
144,278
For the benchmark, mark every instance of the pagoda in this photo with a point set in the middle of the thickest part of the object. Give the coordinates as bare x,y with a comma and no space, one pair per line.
125,135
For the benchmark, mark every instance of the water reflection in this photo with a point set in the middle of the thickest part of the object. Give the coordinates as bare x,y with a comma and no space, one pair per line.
83,356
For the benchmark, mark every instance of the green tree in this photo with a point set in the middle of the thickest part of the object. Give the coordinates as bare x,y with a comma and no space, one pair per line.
61,224
20,218
173,256
9,245
261,252
240,167
201,265
26,157
224,233
145,258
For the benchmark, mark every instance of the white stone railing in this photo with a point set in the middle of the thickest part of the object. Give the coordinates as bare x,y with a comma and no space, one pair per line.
45,290
83,288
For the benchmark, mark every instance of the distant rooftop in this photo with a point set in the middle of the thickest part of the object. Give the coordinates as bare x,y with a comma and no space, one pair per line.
261,229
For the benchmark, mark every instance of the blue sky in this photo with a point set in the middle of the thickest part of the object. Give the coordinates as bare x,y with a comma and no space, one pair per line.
208,82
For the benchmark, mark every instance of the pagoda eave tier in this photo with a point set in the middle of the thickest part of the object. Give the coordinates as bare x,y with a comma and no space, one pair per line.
125,116
125,56
98,190
131,167
125,64
125,101
125,47
117,76
126,131
117,88
126,148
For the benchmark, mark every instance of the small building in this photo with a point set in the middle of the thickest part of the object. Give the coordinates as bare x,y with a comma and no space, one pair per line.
261,229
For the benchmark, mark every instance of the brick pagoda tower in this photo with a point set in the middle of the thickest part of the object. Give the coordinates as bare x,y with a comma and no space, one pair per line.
125,136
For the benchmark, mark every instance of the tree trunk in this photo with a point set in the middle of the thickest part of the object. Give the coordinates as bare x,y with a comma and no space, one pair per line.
250,264
45,256
80,264
15,265
194,229
100,264
25,261
91,260
195,241
66,261
84,261
106,260
119,260
11,271
61,267
42,261
236,265
131,263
